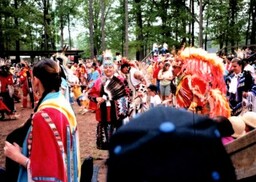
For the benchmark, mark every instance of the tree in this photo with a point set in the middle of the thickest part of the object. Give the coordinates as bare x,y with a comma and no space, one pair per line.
103,43
126,42
91,28
252,21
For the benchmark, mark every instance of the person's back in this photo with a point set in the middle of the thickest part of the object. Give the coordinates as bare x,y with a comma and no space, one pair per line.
51,134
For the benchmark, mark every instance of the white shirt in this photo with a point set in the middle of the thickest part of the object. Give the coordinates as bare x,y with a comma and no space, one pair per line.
155,100
134,81
233,84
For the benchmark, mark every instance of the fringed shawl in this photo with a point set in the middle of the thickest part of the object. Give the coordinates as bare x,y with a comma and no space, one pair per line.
46,160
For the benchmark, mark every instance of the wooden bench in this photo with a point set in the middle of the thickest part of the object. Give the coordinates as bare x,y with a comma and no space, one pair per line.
242,152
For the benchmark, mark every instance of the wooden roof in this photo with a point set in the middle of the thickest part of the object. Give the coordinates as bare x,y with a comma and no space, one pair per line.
41,53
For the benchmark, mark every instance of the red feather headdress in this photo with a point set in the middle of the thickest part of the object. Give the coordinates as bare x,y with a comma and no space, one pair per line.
208,68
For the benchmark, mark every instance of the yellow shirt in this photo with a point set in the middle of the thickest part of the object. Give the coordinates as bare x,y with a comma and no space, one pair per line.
77,91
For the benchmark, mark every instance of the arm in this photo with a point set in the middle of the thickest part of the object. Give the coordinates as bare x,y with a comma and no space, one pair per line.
248,84
138,75
160,75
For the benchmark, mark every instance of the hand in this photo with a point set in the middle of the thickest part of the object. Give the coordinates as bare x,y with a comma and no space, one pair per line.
139,94
12,151
192,107
100,100
245,94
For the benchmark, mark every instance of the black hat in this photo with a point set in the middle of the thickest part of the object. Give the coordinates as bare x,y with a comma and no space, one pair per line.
169,144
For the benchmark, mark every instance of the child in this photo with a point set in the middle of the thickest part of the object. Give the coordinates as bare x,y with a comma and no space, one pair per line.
85,102
78,95
154,97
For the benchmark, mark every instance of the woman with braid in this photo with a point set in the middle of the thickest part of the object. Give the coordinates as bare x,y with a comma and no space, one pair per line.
50,135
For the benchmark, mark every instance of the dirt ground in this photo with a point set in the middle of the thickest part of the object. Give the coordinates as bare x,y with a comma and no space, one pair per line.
87,137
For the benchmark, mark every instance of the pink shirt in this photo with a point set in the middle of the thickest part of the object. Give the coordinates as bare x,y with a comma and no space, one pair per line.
226,140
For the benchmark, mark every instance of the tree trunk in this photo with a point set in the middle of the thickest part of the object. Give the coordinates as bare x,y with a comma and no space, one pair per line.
200,38
17,41
126,42
190,24
61,32
139,37
2,48
205,39
249,23
193,23
1,38
233,9
46,36
103,42
253,34
91,28
69,33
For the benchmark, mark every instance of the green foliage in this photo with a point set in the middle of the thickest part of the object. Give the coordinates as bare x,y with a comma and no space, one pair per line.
161,21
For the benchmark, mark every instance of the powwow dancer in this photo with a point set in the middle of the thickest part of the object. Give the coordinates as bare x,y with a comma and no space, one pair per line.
24,76
200,84
110,94
137,88
50,135
6,92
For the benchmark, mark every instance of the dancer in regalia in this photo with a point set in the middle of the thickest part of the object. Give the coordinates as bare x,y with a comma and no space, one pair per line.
6,91
137,85
110,94
46,147
24,76
200,84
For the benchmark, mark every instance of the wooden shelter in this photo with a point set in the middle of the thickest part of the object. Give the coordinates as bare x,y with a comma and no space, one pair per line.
75,53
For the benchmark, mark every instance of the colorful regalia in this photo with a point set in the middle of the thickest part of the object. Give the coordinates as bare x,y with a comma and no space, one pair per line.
109,92
120,109
23,78
6,91
201,87
52,158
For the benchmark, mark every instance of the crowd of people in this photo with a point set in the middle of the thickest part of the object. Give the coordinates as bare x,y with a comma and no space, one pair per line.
118,91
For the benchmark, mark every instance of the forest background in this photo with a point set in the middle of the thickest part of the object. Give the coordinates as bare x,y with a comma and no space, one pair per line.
130,27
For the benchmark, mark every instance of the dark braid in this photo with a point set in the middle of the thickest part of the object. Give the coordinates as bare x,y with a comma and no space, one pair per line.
36,108
41,99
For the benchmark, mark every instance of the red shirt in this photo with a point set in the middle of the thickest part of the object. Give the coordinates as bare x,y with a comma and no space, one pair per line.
5,81
156,71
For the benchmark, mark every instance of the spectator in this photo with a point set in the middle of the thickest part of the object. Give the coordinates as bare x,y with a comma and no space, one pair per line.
225,128
240,83
154,97
165,77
